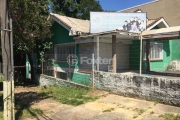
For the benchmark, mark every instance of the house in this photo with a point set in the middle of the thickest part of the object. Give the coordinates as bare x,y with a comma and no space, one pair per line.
56,64
165,56
72,36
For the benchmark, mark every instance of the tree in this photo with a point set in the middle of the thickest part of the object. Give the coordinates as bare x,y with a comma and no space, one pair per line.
30,27
66,7
86,6
76,8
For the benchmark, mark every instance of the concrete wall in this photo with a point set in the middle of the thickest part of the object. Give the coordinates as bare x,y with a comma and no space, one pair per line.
163,90
45,80
76,77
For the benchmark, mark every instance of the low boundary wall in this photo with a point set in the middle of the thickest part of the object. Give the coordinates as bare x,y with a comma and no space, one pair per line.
165,90
45,80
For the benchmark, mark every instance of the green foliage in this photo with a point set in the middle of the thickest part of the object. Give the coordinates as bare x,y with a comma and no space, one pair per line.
1,106
86,6
76,8
30,113
66,7
68,95
169,116
1,78
108,110
139,111
26,110
109,11
30,24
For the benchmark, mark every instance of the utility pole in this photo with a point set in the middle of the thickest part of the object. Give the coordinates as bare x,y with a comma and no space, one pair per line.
7,61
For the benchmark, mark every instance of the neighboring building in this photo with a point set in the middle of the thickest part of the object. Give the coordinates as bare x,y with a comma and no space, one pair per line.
168,9
164,55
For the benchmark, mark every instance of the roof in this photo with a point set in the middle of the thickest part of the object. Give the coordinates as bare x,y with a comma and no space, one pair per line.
151,23
73,24
161,33
82,27
169,9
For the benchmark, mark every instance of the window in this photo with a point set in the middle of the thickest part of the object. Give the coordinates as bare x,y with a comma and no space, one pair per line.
63,51
156,51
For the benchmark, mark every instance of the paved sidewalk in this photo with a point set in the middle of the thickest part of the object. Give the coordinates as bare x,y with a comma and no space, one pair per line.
113,107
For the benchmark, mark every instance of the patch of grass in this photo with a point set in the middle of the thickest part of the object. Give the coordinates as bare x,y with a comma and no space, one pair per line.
31,112
68,95
139,111
23,110
1,79
155,103
1,106
152,112
122,107
108,110
135,117
1,115
118,104
169,116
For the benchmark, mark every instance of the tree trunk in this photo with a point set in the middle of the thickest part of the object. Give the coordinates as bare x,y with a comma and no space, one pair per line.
147,55
32,67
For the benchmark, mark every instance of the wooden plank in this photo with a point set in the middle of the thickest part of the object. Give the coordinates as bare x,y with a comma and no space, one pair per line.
114,53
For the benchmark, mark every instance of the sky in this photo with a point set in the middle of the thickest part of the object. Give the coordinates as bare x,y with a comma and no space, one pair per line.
120,4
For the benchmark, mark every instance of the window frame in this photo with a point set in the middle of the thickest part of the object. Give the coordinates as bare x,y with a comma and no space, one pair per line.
152,59
62,45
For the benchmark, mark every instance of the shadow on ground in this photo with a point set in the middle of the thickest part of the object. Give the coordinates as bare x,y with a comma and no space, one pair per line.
23,102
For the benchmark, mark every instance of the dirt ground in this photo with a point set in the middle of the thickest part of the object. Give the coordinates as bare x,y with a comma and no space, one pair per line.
107,107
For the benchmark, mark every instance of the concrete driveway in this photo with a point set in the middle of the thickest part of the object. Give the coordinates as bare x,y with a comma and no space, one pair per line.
113,107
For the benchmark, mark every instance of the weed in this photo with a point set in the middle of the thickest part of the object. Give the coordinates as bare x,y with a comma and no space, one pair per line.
122,107
169,116
31,112
108,110
139,111
151,112
1,78
118,104
155,103
135,117
68,95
